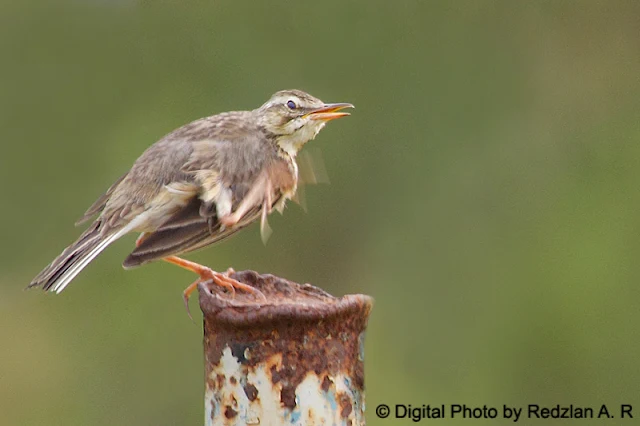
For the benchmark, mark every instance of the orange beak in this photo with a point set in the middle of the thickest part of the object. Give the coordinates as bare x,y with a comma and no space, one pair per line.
329,112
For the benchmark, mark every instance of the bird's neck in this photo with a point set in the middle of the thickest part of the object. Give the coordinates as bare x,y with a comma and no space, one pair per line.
293,143
289,145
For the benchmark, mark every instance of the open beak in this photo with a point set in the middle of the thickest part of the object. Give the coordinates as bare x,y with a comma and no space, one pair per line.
329,112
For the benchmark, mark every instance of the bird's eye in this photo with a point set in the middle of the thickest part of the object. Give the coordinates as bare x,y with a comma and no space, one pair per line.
291,104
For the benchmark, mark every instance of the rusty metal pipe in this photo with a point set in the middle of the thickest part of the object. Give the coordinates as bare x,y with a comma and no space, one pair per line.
296,359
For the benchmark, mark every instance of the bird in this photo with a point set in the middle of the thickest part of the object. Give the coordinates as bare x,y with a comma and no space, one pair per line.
198,185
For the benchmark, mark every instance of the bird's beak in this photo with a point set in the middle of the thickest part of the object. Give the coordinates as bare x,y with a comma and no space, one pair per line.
329,112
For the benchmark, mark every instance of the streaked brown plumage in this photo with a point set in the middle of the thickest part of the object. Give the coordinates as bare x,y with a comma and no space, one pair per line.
198,185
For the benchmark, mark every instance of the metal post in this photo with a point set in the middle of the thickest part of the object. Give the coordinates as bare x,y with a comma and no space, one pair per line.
296,359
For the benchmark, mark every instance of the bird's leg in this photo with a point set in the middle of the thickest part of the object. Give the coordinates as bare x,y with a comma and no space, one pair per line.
223,280
206,274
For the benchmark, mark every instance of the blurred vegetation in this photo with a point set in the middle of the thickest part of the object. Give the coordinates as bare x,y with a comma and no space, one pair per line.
484,191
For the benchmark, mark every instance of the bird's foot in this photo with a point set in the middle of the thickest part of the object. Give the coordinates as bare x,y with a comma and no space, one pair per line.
208,275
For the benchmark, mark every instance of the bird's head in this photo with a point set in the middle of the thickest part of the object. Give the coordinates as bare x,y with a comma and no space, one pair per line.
295,117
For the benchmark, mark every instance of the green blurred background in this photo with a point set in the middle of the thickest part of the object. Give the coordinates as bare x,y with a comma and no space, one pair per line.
484,191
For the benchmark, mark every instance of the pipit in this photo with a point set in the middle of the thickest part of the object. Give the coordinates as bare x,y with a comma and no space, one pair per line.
198,185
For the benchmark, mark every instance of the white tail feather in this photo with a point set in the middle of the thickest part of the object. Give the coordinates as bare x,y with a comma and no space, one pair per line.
71,273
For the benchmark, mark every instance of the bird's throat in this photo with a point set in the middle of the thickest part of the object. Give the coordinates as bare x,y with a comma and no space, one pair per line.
294,142
290,146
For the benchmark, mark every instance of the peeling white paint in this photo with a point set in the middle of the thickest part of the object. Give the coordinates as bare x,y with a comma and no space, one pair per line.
268,402
313,405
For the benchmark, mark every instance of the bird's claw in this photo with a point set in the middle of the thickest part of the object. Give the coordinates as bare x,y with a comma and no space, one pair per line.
210,276
187,293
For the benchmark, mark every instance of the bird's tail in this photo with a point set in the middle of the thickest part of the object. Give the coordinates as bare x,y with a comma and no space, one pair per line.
59,273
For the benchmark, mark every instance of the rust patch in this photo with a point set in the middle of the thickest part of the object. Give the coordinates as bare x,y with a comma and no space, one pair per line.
219,381
345,404
275,374
288,397
211,384
239,351
326,383
230,412
251,392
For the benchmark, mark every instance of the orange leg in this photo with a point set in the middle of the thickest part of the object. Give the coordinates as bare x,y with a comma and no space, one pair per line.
206,274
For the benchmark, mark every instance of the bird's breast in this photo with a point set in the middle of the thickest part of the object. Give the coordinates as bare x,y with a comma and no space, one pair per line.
277,181
284,175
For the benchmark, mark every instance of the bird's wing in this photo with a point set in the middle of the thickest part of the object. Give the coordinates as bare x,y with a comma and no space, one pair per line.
184,232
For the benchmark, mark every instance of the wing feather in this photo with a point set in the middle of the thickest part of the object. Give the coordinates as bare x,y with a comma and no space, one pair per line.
185,232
